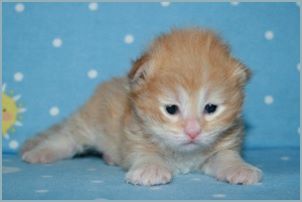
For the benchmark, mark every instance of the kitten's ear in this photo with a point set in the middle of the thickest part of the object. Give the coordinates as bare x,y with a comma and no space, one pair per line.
243,73
141,68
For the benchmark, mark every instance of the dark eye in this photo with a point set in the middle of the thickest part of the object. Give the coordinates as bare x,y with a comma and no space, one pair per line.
210,108
172,109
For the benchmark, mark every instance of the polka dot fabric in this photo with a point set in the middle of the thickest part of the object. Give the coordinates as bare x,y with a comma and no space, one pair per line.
55,54
90,178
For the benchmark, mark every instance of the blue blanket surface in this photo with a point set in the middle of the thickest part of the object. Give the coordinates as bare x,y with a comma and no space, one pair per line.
91,178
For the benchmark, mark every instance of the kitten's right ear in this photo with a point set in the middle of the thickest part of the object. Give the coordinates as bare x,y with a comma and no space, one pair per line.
141,68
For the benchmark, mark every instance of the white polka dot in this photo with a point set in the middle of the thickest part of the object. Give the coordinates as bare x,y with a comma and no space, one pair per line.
91,169
19,7
18,76
128,39
155,188
298,66
269,35
97,181
93,6
54,111
46,176
165,3
92,74
41,191
57,42
234,3
268,99
196,179
6,170
218,195
284,158
13,144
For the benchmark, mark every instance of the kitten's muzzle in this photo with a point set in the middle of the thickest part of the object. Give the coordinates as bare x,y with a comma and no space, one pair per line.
192,128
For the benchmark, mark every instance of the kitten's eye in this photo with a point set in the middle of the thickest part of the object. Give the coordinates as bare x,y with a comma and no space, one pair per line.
172,109
210,108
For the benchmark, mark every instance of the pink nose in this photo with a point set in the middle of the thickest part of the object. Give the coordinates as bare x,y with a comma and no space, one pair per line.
193,135
192,128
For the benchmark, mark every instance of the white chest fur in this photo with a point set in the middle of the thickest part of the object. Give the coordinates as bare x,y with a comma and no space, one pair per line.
182,163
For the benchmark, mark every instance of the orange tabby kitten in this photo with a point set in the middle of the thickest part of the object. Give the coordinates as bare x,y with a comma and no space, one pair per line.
179,110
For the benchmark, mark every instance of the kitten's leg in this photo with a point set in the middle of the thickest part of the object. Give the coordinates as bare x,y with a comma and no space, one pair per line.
59,142
148,170
228,166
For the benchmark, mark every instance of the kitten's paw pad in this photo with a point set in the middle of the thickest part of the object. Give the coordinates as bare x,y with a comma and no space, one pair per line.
242,174
41,155
149,175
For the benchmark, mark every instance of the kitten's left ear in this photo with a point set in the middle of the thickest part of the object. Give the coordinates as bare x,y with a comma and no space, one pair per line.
243,73
140,70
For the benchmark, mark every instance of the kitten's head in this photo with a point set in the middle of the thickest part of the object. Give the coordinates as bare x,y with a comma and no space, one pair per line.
187,89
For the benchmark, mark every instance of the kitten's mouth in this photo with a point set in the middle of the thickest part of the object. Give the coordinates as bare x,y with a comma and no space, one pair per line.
190,145
190,142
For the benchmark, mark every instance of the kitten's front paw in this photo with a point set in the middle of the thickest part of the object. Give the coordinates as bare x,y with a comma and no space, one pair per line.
240,174
149,175
40,155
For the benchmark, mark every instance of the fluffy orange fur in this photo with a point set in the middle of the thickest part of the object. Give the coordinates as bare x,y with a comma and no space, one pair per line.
127,118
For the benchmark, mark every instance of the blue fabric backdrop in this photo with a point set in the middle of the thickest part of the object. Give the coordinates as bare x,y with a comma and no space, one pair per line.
55,54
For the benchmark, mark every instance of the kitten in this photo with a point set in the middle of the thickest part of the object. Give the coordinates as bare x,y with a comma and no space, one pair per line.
179,110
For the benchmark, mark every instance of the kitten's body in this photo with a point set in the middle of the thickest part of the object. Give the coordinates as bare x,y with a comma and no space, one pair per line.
127,118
